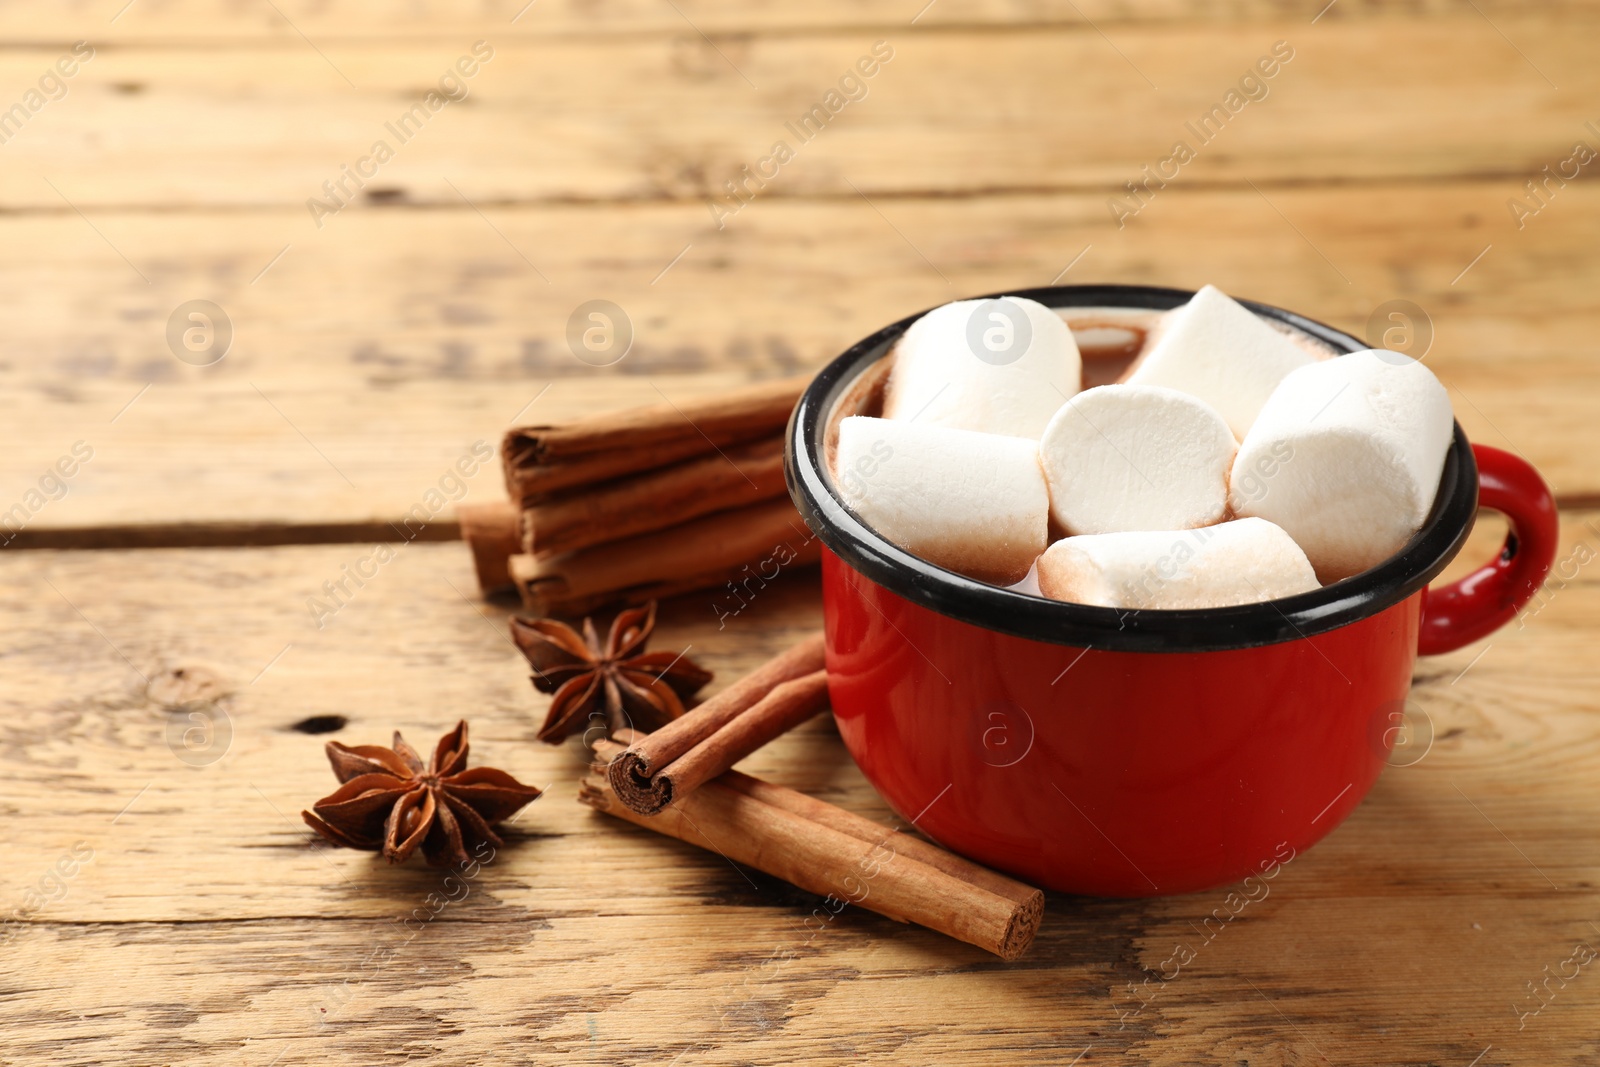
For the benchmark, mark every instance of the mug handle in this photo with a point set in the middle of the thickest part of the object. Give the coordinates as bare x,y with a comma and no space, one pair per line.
1485,600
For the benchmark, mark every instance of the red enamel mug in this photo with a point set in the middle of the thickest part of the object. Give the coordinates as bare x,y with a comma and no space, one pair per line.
1132,754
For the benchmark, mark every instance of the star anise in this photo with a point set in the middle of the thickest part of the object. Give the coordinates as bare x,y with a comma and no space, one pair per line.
391,802
632,687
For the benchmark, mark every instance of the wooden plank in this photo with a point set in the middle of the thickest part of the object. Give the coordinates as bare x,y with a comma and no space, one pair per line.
604,944
238,634
412,334
284,21
396,296
224,463
219,465
674,117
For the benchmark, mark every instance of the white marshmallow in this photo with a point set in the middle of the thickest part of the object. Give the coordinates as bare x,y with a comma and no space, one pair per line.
1223,353
995,366
1239,562
974,503
1346,457
1136,457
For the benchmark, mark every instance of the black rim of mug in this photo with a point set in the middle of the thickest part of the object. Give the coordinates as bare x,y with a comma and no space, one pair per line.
1111,629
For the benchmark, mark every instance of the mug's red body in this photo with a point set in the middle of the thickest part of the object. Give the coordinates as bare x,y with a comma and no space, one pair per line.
1141,753
1112,773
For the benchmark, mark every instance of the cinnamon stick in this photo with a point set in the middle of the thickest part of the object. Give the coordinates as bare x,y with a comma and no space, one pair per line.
655,500
864,829
788,705
543,601
710,550
492,532
540,460
632,773
952,896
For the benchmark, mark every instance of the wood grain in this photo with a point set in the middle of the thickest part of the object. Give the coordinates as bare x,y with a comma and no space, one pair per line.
1035,109
369,355
399,296
289,23
1405,937
413,334
327,463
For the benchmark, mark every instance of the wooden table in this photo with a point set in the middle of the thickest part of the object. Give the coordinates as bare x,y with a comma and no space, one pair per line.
170,905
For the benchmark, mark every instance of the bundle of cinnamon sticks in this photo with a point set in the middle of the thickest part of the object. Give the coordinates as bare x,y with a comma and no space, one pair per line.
643,503
678,781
